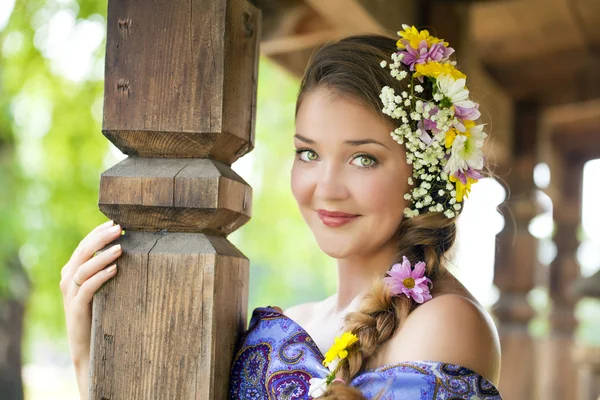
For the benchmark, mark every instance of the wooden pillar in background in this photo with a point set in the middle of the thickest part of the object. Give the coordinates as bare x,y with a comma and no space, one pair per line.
516,257
451,22
558,374
180,95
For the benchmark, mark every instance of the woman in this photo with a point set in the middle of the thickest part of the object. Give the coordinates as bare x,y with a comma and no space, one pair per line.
384,206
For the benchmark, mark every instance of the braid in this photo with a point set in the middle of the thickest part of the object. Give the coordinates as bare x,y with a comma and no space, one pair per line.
426,237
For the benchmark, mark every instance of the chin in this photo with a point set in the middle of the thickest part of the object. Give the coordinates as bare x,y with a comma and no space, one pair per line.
336,244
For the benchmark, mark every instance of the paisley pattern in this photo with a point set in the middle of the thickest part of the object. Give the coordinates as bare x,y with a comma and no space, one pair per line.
276,359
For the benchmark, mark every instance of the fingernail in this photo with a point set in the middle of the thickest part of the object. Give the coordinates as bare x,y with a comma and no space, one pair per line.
115,248
115,229
111,268
122,232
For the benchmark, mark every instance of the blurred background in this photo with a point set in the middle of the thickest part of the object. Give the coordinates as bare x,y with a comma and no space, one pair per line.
534,262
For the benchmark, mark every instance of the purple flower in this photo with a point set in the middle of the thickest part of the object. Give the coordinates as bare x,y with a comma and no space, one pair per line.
424,136
413,283
470,173
437,52
415,56
427,124
465,113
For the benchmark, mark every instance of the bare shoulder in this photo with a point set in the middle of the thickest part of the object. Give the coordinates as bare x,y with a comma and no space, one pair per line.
300,313
451,329
304,313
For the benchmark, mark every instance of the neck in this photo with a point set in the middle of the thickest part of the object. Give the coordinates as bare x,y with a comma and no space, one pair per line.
356,275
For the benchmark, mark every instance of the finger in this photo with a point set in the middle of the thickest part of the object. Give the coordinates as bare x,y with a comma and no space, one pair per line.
91,245
90,286
99,228
92,266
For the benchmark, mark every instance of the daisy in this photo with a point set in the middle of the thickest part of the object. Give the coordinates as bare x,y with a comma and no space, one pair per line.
455,91
413,283
467,151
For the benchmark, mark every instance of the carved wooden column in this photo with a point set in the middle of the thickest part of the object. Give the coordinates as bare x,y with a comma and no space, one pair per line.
180,93
557,370
516,257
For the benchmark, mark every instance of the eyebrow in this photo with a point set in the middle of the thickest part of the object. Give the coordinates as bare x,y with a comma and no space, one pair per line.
352,142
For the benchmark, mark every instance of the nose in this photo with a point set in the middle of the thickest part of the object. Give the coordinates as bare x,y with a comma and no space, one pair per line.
330,182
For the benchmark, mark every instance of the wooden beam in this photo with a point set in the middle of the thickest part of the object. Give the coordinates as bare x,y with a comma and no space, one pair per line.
293,43
348,16
554,79
179,99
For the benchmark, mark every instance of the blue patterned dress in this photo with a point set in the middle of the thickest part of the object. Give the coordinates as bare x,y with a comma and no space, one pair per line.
277,358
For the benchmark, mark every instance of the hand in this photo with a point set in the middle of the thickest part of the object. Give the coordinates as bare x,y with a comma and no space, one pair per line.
81,277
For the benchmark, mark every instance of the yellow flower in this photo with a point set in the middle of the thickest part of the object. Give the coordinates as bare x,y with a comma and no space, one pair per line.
451,134
462,190
468,124
339,347
435,69
414,36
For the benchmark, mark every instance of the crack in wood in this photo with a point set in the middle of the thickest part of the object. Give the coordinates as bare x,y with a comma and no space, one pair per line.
175,176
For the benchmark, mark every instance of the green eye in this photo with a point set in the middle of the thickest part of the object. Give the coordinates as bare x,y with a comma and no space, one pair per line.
366,161
309,153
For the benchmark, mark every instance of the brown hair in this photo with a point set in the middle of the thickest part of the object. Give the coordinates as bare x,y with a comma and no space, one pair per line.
351,67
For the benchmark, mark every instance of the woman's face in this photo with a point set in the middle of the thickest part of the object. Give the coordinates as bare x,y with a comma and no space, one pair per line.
336,170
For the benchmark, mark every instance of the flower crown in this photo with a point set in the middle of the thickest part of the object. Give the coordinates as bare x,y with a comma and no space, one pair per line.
438,128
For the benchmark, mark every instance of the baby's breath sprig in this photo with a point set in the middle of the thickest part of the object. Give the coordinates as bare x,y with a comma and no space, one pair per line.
442,141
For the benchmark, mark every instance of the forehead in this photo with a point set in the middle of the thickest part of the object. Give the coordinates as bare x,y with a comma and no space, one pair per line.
325,114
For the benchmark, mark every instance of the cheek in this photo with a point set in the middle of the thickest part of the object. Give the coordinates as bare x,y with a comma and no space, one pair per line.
302,185
381,194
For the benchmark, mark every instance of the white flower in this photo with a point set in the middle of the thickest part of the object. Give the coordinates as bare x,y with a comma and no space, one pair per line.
334,364
383,64
419,89
456,161
455,90
317,387
467,151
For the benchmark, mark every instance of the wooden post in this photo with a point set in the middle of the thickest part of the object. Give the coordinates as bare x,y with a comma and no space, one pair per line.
180,96
516,258
557,367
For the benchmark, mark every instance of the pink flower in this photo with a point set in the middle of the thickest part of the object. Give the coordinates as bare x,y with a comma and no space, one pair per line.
413,283
467,113
437,52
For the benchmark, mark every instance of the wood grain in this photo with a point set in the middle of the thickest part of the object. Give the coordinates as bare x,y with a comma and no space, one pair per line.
180,100
167,325
181,195
181,78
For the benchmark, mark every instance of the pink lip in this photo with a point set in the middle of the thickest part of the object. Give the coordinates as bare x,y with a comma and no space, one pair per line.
335,219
